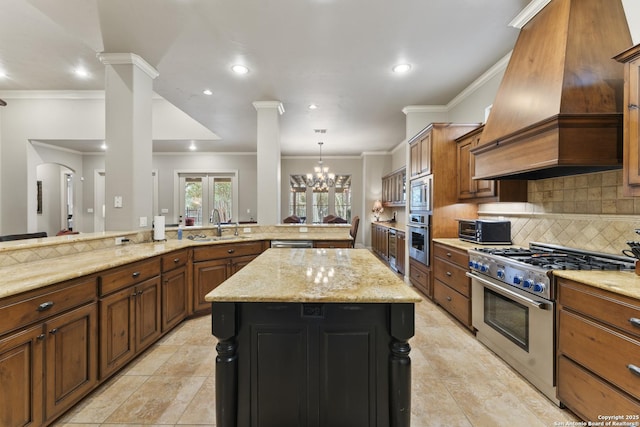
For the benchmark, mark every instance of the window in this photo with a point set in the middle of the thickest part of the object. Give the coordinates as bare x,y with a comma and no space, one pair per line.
320,204
298,197
201,193
324,201
343,197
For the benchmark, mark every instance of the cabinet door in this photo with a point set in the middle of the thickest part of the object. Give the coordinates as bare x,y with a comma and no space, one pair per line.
175,298
21,370
425,154
207,275
400,248
148,316
71,358
117,330
239,262
466,185
632,129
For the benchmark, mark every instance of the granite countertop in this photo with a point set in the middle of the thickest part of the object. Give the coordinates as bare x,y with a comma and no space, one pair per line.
315,275
28,276
620,282
392,224
457,243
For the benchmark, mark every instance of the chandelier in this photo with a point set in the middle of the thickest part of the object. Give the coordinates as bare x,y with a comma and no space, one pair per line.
321,178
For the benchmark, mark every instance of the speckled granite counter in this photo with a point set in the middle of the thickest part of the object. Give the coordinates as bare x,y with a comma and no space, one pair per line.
79,258
315,275
619,282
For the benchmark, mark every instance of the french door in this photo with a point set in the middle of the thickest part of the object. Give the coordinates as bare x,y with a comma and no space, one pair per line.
199,194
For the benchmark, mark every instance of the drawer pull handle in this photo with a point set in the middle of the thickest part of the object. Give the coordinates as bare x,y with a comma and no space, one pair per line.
633,107
449,254
449,299
634,369
53,331
230,251
135,274
635,322
45,306
41,337
449,273
176,260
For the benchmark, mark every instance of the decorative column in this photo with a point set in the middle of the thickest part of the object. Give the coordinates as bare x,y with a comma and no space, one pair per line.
128,106
269,165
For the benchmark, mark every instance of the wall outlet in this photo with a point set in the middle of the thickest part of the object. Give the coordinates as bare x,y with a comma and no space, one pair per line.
246,230
143,221
164,210
89,210
303,229
117,202
119,240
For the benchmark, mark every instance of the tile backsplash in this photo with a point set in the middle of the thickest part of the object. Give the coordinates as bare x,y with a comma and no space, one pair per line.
582,211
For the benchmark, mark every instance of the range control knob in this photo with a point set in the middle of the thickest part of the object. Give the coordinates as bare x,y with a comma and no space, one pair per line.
527,283
539,287
484,268
500,274
517,280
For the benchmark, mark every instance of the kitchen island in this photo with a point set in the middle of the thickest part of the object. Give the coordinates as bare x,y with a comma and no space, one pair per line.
313,337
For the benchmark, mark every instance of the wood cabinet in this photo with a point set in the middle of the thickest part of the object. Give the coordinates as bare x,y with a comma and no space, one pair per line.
482,190
420,154
380,240
213,264
48,352
394,188
401,251
606,378
130,313
175,288
451,286
420,277
631,121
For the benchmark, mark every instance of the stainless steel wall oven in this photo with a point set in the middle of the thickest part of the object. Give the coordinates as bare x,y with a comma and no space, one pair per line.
418,238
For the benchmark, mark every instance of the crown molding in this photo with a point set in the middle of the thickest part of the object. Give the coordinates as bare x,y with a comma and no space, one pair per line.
424,109
269,104
528,13
128,58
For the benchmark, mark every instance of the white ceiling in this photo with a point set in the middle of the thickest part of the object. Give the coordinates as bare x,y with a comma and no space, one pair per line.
337,54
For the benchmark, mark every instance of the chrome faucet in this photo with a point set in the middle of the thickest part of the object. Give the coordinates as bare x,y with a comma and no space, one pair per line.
213,219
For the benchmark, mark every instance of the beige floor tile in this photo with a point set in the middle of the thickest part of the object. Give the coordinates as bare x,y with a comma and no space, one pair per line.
202,409
161,400
149,362
190,360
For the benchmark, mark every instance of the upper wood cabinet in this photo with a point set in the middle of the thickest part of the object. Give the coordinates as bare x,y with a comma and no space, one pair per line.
631,147
482,190
420,153
394,188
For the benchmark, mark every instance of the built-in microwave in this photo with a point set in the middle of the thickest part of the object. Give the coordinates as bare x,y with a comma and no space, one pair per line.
420,195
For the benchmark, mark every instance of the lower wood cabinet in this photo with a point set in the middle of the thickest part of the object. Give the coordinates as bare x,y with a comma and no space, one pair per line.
605,379
214,264
401,251
175,289
130,317
451,286
420,277
48,366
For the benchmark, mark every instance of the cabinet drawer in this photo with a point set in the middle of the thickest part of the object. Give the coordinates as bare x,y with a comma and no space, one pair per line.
453,276
615,310
174,260
128,275
419,276
600,350
456,256
588,396
38,305
456,304
227,250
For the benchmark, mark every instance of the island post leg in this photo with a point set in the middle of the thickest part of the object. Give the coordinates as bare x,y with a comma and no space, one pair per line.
401,328
223,322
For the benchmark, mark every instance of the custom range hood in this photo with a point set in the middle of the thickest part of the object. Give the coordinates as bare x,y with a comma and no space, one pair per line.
558,110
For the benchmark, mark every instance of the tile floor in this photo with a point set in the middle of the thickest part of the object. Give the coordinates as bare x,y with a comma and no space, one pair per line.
456,381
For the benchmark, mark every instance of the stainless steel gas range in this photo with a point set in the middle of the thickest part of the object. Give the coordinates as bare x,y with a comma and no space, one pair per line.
513,302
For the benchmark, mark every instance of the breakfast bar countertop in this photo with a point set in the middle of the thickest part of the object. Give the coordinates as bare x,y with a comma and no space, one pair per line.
315,275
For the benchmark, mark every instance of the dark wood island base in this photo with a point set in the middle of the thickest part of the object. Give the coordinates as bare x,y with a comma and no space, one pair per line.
313,364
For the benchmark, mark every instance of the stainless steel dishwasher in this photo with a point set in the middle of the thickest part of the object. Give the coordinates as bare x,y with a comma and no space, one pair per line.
291,244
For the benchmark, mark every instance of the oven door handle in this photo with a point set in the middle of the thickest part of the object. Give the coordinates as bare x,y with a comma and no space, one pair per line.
508,293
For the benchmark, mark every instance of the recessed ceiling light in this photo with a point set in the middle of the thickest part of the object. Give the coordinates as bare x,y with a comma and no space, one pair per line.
401,68
81,72
240,69
207,92
313,107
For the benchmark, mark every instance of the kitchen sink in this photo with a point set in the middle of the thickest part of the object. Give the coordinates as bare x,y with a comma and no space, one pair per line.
216,238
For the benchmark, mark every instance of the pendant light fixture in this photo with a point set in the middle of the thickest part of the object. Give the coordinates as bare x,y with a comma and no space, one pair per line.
321,178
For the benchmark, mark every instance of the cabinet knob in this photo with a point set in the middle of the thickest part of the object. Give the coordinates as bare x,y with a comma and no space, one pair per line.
45,306
176,260
635,322
634,369
230,251
449,273
53,331
135,274
449,254
41,337
633,107
449,299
